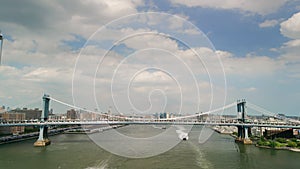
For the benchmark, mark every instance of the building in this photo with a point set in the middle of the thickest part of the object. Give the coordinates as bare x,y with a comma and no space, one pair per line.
12,116
276,133
87,116
57,117
2,108
163,115
202,117
72,114
30,114
167,115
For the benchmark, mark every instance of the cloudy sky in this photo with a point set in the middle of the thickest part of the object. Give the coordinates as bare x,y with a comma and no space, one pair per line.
151,56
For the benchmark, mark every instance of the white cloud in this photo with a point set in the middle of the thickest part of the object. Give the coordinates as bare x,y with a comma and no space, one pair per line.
273,49
151,40
269,23
291,49
292,43
251,89
248,66
254,6
291,58
252,66
52,75
224,54
146,77
28,84
291,27
8,71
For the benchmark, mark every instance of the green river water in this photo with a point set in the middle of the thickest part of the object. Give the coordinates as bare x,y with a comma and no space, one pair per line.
77,151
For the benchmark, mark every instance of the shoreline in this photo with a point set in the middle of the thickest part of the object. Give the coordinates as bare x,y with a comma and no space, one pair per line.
30,136
34,135
217,130
279,148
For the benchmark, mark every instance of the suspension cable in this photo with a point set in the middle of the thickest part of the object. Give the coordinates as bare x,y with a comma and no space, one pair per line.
130,118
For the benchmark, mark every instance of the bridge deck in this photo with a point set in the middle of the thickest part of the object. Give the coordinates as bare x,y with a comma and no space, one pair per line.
55,123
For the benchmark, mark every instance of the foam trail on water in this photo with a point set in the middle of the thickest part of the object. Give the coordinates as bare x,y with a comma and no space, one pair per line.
200,158
101,165
158,127
181,133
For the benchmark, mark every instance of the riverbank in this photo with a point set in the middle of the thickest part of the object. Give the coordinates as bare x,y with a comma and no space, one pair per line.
29,136
277,144
68,130
229,130
280,144
279,148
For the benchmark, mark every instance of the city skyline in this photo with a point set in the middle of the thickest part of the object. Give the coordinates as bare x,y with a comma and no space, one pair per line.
258,44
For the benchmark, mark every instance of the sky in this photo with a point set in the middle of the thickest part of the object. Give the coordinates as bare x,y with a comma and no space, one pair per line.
139,56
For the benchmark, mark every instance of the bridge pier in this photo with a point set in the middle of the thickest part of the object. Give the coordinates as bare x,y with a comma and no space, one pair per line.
43,136
243,132
261,132
243,135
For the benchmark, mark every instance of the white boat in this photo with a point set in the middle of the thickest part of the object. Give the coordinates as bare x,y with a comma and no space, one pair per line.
182,135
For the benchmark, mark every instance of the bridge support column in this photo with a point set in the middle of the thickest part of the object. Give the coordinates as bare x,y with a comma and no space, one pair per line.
246,133
243,133
246,138
240,132
261,130
43,136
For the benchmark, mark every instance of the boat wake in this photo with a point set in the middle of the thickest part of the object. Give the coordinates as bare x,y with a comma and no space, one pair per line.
102,165
181,133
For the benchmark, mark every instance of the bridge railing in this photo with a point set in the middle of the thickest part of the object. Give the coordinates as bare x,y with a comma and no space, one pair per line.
34,122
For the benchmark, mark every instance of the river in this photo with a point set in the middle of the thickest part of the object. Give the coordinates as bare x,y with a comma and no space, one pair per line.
77,151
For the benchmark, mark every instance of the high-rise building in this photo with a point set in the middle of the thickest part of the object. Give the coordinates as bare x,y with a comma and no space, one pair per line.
163,115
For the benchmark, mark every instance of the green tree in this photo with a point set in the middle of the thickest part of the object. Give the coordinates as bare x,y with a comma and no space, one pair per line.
292,144
281,140
272,144
260,143
294,140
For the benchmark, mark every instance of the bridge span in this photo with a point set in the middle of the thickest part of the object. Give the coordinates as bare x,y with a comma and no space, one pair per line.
152,122
241,122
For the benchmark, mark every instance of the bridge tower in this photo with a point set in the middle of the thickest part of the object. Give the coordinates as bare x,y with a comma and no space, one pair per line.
243,131
43,136
1,40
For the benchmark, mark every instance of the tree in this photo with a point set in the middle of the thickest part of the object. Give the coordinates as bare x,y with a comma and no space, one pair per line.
281,140
272,144
292,144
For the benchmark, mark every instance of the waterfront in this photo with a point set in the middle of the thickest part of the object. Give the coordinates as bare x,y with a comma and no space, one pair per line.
77,151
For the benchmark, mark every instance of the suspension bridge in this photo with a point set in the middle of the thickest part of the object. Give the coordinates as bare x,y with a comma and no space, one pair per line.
243,125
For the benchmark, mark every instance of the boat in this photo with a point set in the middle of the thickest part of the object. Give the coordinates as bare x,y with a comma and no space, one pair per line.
185,138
